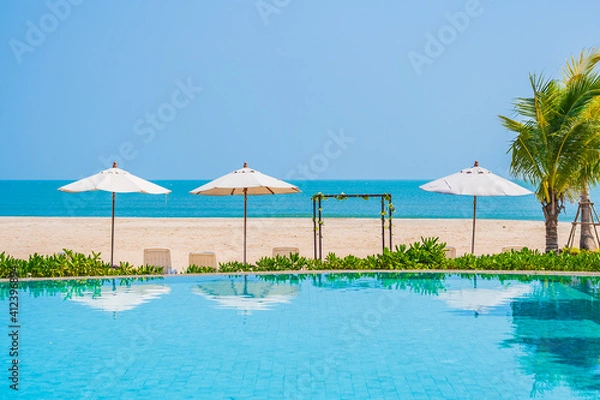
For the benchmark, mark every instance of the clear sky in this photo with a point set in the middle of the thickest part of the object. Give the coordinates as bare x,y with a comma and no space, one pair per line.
340,89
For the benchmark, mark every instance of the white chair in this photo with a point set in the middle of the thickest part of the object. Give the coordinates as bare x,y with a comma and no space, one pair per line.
203,259
285,250
158,257
450,252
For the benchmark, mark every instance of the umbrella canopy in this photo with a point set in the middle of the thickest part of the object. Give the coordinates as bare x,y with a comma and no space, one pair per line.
114,180
246,296
475,181
246,182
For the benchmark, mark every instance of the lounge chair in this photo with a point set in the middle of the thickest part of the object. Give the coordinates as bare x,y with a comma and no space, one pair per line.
450,252
158,257
203,259
285,250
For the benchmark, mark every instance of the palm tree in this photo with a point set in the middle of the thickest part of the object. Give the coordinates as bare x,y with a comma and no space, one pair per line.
576,71
556,146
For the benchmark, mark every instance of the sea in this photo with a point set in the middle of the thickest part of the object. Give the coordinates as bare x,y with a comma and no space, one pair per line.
41,198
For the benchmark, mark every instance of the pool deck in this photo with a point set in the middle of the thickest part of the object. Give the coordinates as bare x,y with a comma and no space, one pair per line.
343,271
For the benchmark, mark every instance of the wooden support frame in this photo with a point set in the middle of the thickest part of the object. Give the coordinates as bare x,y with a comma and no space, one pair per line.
317,200
595,222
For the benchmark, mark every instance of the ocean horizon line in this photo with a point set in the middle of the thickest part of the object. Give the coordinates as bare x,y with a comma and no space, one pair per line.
275,217
41,198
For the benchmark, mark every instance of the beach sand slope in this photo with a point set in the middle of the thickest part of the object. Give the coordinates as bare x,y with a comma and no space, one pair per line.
22,236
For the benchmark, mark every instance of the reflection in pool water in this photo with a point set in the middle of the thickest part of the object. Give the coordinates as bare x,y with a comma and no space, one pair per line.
328,336
246,296
122,298
557,328
482,301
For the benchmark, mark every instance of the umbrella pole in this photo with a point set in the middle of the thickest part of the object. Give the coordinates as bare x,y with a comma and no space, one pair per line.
315,227
245,207
474,217
112,232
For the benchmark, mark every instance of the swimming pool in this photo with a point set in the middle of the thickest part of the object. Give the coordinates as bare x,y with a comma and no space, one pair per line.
312,336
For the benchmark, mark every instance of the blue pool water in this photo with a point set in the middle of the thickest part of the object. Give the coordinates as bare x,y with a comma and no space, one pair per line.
330,336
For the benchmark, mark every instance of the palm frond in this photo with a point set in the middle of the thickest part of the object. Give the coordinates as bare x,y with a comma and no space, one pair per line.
557,143
582,66
593,110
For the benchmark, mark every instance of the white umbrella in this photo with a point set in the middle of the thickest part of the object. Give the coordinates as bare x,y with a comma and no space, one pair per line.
114,180
475,181
247,182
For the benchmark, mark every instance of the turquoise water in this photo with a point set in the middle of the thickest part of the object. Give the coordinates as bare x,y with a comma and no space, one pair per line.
41,198
331,336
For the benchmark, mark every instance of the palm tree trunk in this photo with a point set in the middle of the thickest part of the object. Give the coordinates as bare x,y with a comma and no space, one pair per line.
587,240
551,211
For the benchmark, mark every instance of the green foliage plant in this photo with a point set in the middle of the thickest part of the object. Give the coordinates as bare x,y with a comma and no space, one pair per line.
557,143
426,254
199,269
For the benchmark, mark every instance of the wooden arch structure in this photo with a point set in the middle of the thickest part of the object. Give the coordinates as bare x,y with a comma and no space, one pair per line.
317,200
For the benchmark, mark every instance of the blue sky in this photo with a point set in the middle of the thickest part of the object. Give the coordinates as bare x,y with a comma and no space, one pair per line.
299,89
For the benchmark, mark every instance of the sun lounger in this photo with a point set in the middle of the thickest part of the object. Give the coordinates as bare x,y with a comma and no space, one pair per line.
203,259
158,257
285,250
450,252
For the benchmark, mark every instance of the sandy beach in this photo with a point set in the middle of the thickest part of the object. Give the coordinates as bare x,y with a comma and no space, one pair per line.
22,236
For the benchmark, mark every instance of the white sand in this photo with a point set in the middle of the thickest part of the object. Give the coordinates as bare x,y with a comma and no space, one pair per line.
22,236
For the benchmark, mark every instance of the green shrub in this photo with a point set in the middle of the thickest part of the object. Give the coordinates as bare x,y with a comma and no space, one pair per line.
235,266
426,254
67,264
199,269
